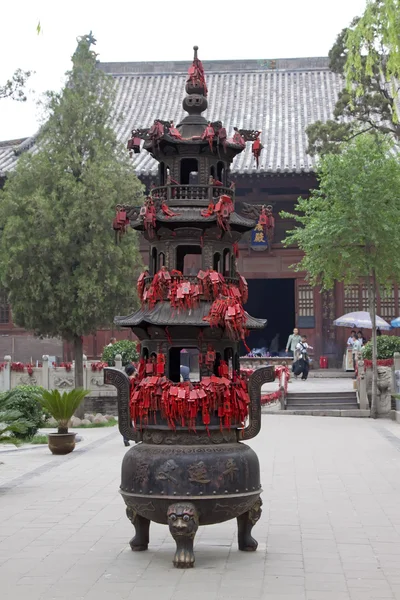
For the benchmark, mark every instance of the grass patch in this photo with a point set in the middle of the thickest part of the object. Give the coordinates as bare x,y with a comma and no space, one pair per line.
39,438
110,423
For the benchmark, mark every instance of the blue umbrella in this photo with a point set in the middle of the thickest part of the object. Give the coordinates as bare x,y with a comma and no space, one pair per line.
395,322
360,319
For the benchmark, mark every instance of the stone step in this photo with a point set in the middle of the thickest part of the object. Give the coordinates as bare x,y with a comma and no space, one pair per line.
353,412
313,407
319,394
321,400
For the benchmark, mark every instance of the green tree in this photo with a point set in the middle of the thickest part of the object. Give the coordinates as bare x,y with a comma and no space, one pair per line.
349,227
367,56
58,259
14,88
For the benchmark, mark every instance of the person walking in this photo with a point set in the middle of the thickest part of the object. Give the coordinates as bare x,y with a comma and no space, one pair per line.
303,349
131,372
293,339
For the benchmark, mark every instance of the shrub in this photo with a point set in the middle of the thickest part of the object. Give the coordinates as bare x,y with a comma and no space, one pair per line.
23,400
13,425
126,348
387,346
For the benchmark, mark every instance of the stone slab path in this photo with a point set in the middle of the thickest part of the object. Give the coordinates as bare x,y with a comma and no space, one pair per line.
330,528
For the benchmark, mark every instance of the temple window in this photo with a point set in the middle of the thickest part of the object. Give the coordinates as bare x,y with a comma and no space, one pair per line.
221,171
153,261
184,362
161,172
227,254
189,171
233,266
188,259
236,362
217,262
217,363
228,358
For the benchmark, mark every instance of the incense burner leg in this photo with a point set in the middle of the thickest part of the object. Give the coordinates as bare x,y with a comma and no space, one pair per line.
246,523
183,521
140,541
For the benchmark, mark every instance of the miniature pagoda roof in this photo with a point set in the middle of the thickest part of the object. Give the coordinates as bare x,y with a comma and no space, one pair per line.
162,315
186,214
280,97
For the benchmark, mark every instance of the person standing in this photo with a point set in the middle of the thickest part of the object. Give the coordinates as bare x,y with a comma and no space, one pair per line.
113,341
352,337
303,349
356,348
293,339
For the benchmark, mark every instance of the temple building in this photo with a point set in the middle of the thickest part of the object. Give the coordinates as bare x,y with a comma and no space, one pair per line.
281,98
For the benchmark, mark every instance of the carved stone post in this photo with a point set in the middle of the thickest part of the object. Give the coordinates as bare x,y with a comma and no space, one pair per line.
118,362
384,400
86,372
362,386
7,373
45,371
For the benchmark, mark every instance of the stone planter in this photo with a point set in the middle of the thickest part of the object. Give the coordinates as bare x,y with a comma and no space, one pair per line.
61,443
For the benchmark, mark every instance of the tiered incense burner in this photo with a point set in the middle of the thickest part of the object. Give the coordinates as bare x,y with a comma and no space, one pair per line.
189,466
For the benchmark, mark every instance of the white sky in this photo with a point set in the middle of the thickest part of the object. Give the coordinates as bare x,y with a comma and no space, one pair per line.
147,30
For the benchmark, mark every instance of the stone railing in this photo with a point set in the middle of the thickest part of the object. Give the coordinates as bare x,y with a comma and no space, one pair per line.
178,194
56,377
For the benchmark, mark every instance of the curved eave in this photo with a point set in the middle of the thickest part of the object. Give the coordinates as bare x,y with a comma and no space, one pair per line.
193,216
163,315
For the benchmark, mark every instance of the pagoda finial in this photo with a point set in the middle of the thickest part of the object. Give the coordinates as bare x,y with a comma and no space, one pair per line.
195,48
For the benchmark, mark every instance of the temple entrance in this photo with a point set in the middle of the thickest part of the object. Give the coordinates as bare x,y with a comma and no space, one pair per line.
272,299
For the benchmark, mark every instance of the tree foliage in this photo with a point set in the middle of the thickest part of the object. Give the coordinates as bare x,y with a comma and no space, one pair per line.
367,56
58,259
348,227
14,88
126,348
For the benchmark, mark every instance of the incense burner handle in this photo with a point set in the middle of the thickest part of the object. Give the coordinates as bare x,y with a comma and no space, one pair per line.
121,381
256,380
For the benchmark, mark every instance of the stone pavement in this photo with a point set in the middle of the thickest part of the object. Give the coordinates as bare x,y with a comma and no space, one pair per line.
330,528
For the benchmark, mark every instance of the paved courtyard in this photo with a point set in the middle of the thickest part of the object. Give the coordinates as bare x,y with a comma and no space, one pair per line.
330,527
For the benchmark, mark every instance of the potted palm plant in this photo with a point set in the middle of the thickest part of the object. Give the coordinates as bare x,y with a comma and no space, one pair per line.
61,407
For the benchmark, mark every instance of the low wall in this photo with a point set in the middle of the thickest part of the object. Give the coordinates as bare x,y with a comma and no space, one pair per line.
104,403
58,378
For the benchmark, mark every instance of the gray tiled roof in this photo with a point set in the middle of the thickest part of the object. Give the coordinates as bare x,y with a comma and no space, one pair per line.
247,94
162,315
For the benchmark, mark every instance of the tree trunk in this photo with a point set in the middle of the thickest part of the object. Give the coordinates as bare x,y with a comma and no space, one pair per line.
372,312
78,355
